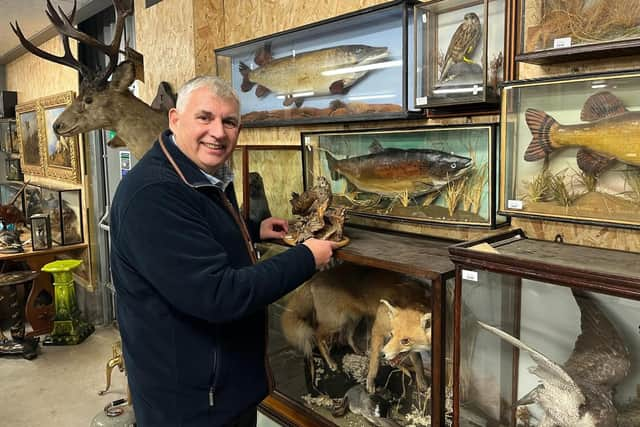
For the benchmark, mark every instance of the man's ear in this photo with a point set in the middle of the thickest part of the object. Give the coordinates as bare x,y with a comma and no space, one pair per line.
174,117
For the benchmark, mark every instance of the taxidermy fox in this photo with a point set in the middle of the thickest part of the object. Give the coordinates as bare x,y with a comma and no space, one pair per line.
333,302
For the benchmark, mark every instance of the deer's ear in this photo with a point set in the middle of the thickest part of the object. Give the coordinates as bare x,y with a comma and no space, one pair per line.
123,76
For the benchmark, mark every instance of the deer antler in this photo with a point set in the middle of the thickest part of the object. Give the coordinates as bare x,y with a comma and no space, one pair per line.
68,59
64,25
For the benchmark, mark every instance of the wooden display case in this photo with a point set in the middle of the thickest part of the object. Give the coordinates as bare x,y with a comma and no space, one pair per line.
530,311
421,259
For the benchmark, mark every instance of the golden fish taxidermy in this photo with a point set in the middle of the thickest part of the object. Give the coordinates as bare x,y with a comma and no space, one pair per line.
392,171
309,72
613,133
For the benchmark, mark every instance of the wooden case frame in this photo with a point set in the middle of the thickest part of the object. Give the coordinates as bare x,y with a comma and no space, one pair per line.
512,254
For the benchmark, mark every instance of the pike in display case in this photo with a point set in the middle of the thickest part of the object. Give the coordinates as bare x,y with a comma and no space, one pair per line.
434,174
556,31
571,149
547,334
459,52
351,67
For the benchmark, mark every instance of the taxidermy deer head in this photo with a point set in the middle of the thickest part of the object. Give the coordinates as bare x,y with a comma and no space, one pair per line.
102,103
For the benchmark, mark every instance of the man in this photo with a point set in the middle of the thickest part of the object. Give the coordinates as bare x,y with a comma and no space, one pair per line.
191,300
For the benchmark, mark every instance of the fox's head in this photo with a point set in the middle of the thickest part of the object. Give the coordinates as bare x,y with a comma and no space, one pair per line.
410,331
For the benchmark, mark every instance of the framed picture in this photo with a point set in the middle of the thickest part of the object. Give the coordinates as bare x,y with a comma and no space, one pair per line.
60,153
40,232
29,137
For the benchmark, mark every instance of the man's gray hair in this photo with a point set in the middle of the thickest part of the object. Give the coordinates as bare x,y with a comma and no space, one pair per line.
216,85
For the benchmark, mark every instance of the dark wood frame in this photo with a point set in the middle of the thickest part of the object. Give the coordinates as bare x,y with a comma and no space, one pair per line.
544,268
418,256
406,113
245,149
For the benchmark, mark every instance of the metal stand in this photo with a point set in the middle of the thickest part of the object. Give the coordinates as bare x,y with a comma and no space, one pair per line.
68,328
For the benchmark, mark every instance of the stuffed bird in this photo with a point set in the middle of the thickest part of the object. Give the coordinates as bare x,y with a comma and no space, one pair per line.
463,43
579,392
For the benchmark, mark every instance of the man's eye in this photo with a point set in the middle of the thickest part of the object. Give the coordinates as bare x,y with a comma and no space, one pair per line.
230,124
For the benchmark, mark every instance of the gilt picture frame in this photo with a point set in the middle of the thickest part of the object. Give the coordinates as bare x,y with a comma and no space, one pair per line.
32,158
61,154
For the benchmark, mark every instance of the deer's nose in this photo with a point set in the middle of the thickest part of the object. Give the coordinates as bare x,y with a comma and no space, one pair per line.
57,127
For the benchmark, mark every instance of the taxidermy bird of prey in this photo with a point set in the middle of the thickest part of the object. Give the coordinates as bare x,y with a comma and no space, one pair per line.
463,43
579,393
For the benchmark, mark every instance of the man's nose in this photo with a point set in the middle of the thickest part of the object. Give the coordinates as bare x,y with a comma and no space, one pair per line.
216,128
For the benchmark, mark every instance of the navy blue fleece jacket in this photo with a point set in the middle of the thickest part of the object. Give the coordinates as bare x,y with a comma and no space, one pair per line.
191,304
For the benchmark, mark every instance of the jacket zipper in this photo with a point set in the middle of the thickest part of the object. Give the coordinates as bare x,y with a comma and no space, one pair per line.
212,382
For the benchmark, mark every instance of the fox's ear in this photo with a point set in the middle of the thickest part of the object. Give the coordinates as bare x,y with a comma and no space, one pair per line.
392,310
425,321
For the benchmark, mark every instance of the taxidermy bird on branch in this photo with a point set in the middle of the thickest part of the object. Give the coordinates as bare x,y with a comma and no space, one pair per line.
579,393
462,44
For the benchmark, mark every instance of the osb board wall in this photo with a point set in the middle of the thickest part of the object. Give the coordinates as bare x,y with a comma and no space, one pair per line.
249,19
209,33
165,36
33,77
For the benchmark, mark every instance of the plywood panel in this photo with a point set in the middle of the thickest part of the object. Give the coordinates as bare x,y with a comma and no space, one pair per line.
165,36
33,77
209,33
250,19
580,234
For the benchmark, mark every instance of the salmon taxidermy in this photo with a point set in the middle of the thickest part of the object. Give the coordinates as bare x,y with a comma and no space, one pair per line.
392,171
314,73
611,133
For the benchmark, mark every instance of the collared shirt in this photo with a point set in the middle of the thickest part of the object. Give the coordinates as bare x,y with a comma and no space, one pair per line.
223,175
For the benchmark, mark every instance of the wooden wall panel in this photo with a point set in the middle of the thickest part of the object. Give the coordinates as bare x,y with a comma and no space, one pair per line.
34,77
165,36
209,33
249,19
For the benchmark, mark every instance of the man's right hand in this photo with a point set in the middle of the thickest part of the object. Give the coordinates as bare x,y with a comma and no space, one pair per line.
322,250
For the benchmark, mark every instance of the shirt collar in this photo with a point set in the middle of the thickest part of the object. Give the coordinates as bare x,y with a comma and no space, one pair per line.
221,178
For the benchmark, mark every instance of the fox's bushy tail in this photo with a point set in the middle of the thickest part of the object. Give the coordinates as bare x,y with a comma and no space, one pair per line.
298,318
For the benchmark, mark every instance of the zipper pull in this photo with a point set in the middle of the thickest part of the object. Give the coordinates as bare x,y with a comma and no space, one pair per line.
211,401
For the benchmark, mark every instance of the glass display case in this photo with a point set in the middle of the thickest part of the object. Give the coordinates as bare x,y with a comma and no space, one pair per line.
547,334
460,48
571,149
432,174
64,208
10,194
351,67
323,334
8,136
555,31
274,173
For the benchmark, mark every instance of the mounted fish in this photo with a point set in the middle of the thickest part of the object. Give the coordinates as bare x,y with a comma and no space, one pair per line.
573,152
433,174
579,392
314,73
347,68
392,171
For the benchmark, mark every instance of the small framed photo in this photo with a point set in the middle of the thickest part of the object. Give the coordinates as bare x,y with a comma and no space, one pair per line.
40,232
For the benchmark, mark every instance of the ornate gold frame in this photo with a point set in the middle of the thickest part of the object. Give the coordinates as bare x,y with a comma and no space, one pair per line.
68,173
21,111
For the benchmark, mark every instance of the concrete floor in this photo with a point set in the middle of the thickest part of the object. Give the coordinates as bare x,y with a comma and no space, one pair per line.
60,387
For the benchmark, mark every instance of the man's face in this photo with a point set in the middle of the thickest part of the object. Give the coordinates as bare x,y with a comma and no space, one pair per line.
207,129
